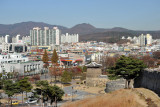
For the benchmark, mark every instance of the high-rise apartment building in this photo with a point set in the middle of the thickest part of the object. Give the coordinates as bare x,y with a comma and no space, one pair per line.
45,37
73,38
144,40
2,39
26,39
7,39
149,39
16,39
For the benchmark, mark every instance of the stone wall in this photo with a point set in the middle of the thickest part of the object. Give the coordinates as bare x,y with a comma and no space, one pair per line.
93,78
150,79
94,82
115,85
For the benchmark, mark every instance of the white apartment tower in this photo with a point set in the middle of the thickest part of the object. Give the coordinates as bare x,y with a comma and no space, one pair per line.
144,40
149,39
2,39
57,35
45,37
69,38
7,39
17,38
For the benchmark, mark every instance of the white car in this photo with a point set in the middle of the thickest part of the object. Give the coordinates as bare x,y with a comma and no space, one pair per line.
32,101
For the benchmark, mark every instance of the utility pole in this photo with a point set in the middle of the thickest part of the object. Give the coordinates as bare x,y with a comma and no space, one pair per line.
72,93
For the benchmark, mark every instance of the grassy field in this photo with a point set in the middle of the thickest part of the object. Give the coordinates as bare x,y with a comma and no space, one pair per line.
120,98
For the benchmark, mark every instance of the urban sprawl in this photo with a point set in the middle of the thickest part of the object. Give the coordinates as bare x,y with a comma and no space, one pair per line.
27,52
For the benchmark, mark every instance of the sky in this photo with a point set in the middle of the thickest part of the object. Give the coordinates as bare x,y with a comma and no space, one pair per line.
130,14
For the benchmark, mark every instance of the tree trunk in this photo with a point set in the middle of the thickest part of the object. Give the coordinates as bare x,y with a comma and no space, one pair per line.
8,100
11,102
26,96
55,102
41,99
126,84
129,81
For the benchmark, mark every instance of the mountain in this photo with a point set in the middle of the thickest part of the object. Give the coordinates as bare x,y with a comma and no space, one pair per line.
23,28
85,30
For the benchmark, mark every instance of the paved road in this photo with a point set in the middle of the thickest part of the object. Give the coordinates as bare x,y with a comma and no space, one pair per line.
79,94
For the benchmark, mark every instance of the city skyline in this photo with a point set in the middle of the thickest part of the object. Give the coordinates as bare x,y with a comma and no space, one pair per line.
135,15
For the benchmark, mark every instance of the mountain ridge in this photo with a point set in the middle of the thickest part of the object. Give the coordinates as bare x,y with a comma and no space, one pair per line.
85,30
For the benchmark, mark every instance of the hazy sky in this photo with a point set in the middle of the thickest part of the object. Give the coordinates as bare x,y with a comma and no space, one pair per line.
131,14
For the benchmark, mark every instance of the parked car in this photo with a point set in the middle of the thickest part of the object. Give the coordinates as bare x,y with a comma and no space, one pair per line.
32,101
15,102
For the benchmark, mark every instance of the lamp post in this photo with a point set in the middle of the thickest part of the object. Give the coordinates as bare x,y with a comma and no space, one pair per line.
72,93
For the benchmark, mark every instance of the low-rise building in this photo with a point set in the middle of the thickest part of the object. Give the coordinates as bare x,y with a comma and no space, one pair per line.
14,47
18,63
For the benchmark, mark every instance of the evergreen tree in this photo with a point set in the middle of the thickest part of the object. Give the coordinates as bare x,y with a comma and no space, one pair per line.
10,89
45,59
54,70
42,89
25,86
66,77
55,94
54,58
128,68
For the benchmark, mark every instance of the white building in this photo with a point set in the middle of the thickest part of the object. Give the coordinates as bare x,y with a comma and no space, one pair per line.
45,37
69,38
18,63
142,40
96,57
7,39
2,39
149,39
57,33
17,38
11,58
129,38
14,40
26,39
123,37
135,40
14,47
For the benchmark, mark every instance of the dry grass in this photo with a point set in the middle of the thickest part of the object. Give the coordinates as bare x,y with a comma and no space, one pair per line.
120,98
94,90
149,94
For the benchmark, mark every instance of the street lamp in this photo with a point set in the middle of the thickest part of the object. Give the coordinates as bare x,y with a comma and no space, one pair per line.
72,93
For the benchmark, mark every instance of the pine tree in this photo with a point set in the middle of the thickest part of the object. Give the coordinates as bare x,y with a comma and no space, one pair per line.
25,86
54,58
128,68
66,77
45,57
54,70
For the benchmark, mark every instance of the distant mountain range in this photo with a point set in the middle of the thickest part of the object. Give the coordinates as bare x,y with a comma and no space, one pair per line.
86,31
